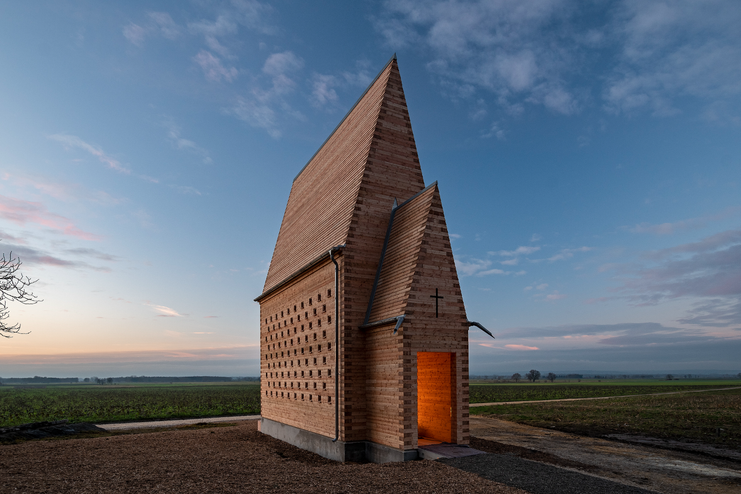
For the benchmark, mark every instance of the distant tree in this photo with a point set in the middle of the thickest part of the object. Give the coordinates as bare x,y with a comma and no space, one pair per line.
739,375
109,380
551,376
15,287
516,377
533,375
86,380
669,377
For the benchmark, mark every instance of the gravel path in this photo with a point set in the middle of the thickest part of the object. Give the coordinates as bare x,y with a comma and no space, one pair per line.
220,459
537,478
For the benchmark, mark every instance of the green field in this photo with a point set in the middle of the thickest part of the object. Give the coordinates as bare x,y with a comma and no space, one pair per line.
115,403
712,417
492,393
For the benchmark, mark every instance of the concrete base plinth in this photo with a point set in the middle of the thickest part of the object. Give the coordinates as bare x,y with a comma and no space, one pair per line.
358,451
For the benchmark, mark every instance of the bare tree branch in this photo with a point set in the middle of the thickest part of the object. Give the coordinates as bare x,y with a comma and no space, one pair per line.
14,287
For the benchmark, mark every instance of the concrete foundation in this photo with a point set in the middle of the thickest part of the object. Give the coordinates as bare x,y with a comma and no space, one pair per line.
357,451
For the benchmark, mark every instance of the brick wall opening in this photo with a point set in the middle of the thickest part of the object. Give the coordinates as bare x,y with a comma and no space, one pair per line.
435,392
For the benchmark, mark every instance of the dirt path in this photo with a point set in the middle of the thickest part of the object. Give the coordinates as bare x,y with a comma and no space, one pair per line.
155,424
596,397
650,468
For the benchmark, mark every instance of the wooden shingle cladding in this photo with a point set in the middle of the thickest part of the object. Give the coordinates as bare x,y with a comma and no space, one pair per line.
372,148
400,258
344,196
418,263
392,172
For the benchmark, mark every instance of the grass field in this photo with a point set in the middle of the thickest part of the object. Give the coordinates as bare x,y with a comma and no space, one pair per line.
114,403
694,416
492,393
712,417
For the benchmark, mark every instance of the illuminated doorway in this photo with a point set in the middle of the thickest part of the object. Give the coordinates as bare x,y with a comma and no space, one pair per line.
435,396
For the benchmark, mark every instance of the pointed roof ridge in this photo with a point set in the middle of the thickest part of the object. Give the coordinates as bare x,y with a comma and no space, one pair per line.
325,194
391,60
393,231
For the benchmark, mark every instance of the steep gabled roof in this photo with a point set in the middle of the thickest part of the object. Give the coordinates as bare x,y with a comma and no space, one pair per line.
331,191
417,247
399,259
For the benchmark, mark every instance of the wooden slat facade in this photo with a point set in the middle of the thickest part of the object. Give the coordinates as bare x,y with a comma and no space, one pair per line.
345,195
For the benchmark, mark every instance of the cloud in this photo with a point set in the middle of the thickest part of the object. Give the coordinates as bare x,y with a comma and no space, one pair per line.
155,23
715,313
213,69
325,86
568,253
254,15
187,190
625,334
492,271
280,66
68,192
224,25
70,141
704,274
514,51
708,244
257,114
21,212
323,92
166,25
257,109
638,56
92,253
135,34
173,134
670,50
683,225
708,271
494,131
555,296
480,267
535,237
521,347
36,257
164,311
472,267
520,251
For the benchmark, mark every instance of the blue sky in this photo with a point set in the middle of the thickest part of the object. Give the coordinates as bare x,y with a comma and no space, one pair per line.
588,156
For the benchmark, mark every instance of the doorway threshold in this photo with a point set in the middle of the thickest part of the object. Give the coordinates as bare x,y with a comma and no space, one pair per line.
445,450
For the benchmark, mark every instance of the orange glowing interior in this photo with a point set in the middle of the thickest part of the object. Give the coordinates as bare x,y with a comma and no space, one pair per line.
435,393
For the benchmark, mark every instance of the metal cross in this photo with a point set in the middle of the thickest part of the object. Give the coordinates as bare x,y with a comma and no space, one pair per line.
437,299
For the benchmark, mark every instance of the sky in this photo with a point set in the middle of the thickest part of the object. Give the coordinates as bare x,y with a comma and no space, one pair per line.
588,156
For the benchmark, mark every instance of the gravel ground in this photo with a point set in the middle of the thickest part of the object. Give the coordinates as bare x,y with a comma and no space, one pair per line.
215,459
537,478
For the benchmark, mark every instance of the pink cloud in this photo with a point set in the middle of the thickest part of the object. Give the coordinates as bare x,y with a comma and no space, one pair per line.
164,311
68,192
21,212
521,347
